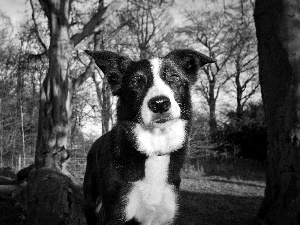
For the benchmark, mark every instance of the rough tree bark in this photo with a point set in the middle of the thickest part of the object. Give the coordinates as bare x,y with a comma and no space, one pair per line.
278,34
55,104
57,89
52,195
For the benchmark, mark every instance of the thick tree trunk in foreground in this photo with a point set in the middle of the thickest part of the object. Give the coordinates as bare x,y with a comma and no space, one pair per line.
278,34
53,196
57,89
53,199
55,105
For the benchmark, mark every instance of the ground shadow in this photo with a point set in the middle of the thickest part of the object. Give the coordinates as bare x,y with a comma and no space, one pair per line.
11,213
213,209
195,209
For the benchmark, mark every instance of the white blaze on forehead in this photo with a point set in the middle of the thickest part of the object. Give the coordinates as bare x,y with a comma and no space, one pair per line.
159,88
155,67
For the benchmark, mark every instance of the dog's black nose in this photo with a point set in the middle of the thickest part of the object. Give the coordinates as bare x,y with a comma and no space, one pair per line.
159,104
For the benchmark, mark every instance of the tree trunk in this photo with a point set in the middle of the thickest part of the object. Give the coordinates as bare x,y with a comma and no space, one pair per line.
212,109
53,199
239,91
20,120
57,90
103,94
55,105
106,107
53,196
23,137
1,135
144,51
212,122
278,34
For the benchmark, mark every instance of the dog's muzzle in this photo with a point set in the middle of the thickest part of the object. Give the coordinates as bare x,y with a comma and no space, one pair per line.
159,104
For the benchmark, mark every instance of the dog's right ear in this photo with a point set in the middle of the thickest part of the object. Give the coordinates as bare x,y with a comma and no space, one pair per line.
113,66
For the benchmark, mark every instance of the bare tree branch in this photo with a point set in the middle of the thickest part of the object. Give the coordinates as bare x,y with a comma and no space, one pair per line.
46,7
84,76
247,97
91,26
36,26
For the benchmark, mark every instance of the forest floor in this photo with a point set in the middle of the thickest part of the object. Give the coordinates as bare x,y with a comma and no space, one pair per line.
218,201
227,194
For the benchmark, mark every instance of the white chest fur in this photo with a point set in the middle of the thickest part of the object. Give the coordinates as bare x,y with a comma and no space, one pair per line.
152,201
161,139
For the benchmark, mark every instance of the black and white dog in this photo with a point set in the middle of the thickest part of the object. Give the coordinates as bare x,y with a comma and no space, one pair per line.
132,174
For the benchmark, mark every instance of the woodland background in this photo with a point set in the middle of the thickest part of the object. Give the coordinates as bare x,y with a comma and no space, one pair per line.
54,103
227,106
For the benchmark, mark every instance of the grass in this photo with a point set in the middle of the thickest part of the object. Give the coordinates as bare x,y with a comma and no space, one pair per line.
223,194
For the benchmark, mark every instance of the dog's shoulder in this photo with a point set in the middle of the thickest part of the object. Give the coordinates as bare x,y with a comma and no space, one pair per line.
100,144
110,142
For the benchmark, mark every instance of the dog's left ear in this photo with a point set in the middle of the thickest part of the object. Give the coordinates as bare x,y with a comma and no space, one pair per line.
189,61
113,66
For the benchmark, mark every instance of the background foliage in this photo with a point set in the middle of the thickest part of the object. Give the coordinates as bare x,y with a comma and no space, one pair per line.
228,122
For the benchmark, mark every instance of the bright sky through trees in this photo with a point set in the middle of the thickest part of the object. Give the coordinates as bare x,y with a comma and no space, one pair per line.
16,8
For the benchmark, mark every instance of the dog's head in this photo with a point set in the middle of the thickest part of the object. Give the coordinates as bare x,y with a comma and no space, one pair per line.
152,92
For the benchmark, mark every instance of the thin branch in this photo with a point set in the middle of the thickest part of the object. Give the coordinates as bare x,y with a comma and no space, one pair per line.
36,26
246,97
84,76
46,7
217,93
154,26
203,89
99,17
248,80
250,61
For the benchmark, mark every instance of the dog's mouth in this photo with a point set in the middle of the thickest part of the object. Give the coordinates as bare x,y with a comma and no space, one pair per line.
162,120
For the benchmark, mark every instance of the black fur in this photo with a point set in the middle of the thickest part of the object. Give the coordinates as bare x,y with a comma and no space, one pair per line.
114,161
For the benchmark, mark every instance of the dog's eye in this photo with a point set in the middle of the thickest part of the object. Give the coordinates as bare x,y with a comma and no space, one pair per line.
136,82
173,78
